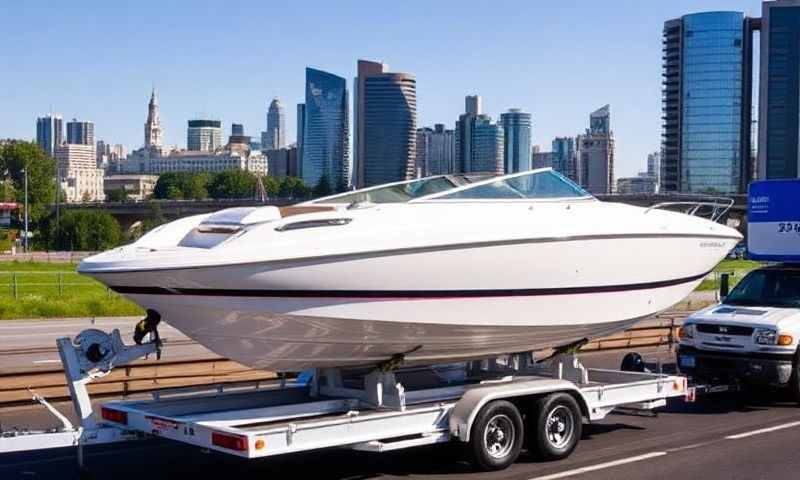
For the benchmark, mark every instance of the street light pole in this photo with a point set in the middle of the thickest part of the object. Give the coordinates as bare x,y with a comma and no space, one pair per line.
25,172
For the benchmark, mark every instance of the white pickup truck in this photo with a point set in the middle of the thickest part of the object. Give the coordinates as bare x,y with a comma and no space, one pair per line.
752,337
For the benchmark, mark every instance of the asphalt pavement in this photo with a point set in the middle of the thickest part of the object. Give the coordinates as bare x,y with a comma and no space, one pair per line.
727,436
27,344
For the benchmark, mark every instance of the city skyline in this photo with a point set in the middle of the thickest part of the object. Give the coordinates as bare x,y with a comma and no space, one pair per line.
551,84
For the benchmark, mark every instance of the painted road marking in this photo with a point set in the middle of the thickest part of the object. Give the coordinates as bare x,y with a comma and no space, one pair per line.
762,430
600,466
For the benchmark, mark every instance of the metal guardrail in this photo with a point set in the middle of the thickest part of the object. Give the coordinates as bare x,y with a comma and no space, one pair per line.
150,376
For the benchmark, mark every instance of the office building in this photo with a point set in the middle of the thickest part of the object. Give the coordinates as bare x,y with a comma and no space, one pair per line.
541,159
153,134
136,187
435,151
517,140
385,125
301,125
595,154
80,133
654,167
276,126
237,130
639,185
49,133
779,91
565,160
283,162
326,132
149,162
204,135
706,102
479,142
78,174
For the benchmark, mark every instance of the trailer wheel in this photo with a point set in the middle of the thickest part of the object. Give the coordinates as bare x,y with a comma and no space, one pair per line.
496,437
556,426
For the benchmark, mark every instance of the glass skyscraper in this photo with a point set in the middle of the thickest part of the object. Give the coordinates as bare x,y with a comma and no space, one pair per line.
386,124
50,133
706,103
326,135
517,140
779,99
565,157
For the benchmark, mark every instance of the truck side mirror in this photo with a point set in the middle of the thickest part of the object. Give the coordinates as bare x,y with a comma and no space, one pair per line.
724,285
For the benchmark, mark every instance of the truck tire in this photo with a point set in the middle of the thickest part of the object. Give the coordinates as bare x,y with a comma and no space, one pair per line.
794,380
496,437
555,428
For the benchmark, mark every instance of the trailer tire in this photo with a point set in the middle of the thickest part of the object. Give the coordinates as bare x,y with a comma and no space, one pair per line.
556,426
496,437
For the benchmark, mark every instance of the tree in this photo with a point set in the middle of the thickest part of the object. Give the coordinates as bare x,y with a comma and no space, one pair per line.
16,156
293,187
7,193
86,230
271,185
233,184
118,195
323,187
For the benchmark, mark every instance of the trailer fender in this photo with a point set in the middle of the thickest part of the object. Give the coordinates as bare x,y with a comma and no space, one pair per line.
467,407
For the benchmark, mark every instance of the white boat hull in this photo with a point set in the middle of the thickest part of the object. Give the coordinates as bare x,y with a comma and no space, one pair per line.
433,304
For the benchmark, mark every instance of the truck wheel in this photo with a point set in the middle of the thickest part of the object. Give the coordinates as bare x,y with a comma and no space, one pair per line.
794,380
556,426
496,436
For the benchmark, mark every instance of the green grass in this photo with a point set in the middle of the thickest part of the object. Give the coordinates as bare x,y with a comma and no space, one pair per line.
47,290
737,268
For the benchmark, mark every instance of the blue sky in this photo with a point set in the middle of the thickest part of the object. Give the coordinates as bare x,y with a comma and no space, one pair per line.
558,60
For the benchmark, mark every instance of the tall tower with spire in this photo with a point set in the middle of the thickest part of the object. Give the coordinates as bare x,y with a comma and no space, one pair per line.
153,134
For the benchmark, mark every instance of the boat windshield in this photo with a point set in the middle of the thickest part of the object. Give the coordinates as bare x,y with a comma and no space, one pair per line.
535,184
400,192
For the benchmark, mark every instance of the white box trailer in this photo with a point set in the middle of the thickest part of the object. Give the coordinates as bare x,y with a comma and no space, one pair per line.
493,406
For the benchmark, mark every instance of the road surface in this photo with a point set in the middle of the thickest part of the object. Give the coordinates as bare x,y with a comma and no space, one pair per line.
722,437
26,344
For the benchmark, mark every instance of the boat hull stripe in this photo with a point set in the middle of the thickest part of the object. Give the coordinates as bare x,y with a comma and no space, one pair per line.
403,294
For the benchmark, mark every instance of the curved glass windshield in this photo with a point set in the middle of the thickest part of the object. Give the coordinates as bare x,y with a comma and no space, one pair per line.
768,288
393,193
535,184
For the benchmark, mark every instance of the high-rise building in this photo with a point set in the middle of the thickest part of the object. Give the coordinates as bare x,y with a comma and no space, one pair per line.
79,177
80,133
517,140
276,126
479,142
641,184
326,134
153,134
204,135
706,102
541,159
595,153
282,162
435,151
654,167
385,125
301,125
565,158
49,133
779,91
237,129
473,105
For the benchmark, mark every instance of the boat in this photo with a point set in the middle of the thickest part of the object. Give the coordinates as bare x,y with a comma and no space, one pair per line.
432,270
